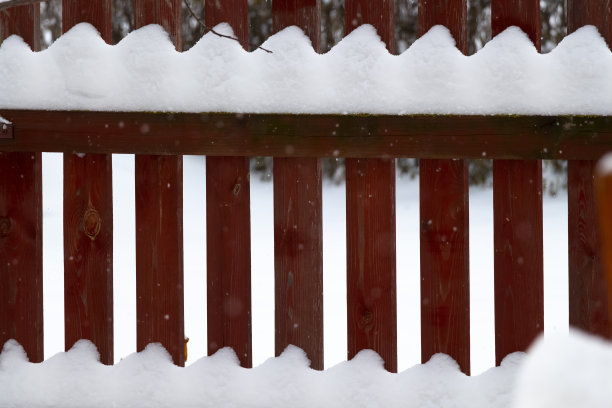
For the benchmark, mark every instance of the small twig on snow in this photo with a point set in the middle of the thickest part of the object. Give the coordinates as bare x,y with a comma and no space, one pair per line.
212,30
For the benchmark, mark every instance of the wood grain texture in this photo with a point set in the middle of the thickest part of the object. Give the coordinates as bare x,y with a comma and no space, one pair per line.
13,3
378,13
159,221
371,262
21,280
23,21
298,257
228,249
159,254
429,137
88,256
233,12
298,217
444,218
603,191
166,13
370,223
445,280
305,14
94,12
228,226
88,221
524,14
518,260
517,214
587,291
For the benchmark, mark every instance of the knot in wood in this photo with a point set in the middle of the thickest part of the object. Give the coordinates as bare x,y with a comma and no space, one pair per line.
366,319
236,189
5,226
92,223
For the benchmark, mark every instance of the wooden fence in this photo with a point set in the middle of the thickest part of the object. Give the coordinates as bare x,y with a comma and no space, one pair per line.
516,144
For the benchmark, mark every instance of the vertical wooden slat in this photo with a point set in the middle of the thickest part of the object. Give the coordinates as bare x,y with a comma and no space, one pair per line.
21,280
228,225
88,221
159,222
517,216
298,228
444,218
587,292
370,224
603,192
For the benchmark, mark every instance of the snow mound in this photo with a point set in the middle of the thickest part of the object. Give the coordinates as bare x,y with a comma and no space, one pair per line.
149,379
145,73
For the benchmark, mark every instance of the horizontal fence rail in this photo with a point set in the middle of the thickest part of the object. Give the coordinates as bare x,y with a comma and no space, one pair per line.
370,143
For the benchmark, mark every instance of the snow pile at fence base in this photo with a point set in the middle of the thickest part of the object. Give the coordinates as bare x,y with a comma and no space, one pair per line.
144,72
566,372
148,379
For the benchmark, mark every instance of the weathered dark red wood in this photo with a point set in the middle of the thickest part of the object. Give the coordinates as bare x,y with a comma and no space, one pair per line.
228,226
518,259
88,258
159,254
603,191
444,217
370,224
94,12
378,13
14,3
298,217
166,13
517,209
587,292
233,12
159,222
371,287
524,14
23,21
429,137
21,281
88,220
305,14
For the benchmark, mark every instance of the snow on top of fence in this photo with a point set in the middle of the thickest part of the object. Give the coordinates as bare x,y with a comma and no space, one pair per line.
149,379
145,73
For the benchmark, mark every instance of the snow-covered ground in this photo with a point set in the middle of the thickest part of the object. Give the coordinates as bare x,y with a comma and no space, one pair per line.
481,258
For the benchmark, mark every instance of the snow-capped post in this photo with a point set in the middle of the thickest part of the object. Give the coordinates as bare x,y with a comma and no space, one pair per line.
587,293
88,206
298,221
444,224
603,192
517,217
370,223
21,280
159,221
228,225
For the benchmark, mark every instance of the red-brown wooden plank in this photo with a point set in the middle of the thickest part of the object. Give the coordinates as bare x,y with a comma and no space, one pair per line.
228,225
370,224
587,292
603,192
159,222
444,218
321,135
21,280
298,228
517,216
88,221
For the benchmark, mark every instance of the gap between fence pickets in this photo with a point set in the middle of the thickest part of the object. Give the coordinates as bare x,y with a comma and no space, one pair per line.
6,127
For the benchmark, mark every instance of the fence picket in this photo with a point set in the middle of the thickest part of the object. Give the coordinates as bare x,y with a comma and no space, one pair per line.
159,222
444,225
517,216
228,226
88,221
587,292
298,228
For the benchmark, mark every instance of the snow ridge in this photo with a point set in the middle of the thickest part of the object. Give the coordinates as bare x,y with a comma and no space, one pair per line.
145,73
